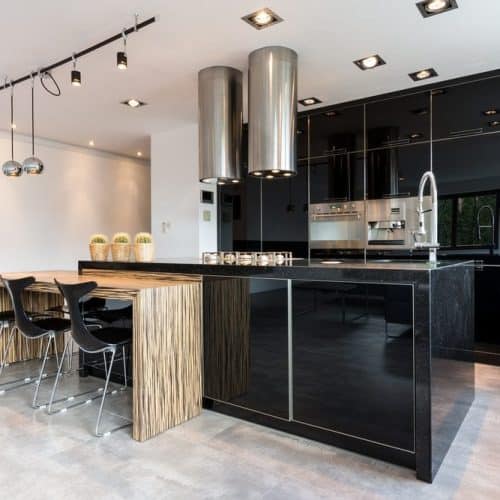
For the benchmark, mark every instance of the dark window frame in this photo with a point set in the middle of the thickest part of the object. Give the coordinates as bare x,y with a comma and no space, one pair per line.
454,224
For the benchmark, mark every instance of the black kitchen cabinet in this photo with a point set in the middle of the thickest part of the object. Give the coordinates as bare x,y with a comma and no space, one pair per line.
353,360
398,121
246,343
467,164
338,131
460,110
396,171
284,206
302,137
240,215
337,178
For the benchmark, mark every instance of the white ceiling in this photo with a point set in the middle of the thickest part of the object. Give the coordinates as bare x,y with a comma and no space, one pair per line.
189,35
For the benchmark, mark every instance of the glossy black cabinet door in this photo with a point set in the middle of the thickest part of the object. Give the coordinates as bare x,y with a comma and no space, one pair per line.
467,164
398,121
240,215
284,205
246,343
353,360
465,109
487,314
337,177
337,131
302,137
396,171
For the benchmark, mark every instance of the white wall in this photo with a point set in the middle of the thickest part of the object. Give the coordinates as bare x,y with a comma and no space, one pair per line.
176,212
46,220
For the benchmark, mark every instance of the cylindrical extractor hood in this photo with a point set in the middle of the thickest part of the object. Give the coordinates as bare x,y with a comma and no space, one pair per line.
220,123
272,112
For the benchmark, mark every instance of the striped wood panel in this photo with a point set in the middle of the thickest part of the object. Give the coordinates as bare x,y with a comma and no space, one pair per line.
167,358
226,333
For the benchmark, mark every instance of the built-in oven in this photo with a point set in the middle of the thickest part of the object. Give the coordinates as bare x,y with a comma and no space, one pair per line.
337,225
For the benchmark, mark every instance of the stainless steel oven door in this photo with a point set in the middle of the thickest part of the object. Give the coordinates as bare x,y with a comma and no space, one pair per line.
337,231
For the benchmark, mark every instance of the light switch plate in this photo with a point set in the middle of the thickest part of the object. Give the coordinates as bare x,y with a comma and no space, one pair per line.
207,216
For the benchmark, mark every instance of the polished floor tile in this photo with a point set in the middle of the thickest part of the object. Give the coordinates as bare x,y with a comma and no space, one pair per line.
219,457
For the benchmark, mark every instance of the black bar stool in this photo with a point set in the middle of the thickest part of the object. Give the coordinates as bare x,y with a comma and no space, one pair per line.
102,340
31,329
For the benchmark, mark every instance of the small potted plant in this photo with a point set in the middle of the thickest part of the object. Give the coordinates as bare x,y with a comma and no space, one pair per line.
120,247
143,247
99,247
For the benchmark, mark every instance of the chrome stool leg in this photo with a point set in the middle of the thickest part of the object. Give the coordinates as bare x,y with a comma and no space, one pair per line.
42,375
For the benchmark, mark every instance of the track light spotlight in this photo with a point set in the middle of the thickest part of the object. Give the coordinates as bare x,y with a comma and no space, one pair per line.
121,56
76,76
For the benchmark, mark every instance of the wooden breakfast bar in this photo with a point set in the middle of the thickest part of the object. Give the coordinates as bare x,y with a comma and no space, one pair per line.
167,338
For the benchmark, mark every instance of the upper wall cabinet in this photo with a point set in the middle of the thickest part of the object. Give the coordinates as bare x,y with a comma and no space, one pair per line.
465,110
302,137
399,121
338,131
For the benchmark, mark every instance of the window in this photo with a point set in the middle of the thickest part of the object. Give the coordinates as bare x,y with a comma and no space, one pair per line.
469,220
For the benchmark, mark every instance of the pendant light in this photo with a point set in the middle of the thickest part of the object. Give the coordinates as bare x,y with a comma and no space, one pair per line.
272,112
12,168
121,56
33,165
76,76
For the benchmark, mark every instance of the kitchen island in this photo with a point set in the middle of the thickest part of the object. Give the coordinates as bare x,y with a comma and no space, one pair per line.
374,357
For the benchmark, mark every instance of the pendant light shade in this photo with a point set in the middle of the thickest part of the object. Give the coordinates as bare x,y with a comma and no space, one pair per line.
272,112
220,124
33,165
12,168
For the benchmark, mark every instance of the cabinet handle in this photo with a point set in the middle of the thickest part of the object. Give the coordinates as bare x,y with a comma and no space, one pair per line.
335,150
469,131
396,142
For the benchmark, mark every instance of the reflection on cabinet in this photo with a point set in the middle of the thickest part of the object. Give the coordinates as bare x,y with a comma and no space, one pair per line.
337,177
302,137
460,110
246,343
398,121
487,291
284,205
240,216
396,171
337,131
353,359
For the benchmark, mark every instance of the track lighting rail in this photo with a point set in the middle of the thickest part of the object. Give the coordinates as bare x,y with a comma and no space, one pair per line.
88,50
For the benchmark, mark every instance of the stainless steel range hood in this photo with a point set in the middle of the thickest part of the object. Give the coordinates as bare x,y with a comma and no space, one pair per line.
272,112
220,123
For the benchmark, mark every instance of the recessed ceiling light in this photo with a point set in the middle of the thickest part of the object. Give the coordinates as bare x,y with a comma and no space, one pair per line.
423,74
139,153
235,181
309,101
490,112
369,62
430,8
269,176
91,143
257,174
494,123
262,18
133,103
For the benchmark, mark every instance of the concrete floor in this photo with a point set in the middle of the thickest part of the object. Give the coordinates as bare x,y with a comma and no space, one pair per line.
215,456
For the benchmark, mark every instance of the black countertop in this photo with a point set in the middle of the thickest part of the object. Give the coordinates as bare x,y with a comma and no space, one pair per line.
314,269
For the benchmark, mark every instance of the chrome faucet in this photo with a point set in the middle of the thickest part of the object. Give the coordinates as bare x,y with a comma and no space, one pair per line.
433,244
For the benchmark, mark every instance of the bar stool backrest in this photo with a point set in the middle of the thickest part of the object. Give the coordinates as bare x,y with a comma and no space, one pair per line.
15,289
81,334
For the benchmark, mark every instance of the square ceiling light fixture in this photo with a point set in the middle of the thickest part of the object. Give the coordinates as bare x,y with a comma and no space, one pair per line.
309,101
429,8
369,62
262,18
133,103
423,74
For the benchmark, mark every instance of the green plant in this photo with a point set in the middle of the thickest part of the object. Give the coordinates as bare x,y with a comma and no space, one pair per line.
143,238
121,238
98,239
